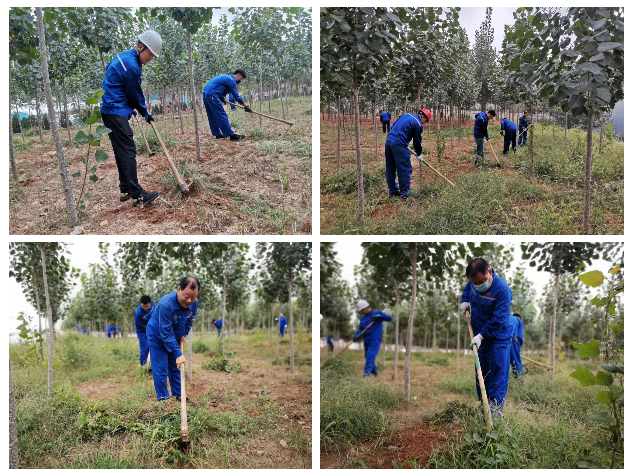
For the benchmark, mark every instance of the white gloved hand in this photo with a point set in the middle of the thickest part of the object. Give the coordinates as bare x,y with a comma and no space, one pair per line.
477,340
464,306
419,156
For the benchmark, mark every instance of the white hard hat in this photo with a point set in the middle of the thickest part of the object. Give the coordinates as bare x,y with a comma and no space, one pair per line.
361,305
152,40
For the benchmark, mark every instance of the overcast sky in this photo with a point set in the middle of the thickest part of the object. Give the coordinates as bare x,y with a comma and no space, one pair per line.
350,255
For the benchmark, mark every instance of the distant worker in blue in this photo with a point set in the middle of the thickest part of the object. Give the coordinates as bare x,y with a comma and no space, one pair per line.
509,130
218,324
517,342
329,343
372,335
122,86
407,127
114,331
523,129
384,117
215,97
85,331
282,325
488,299
481,132
109,329
78,330
141,318
169,324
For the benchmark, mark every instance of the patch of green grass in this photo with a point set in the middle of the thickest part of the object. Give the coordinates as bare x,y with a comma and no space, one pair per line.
296,147
15,192
259,134
297,361
307,111
20,146
189,173
345,181
223,363
154,144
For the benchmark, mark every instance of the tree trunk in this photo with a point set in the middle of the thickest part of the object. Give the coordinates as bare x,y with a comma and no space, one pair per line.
179,96
458,341
49,311
396,335
101,55
39,115
410,335
192,81
63,170
63,84
189,340
531,138
223,310
281,98
338,133
261,92
418,108
358,153
39,316
14,166
375,121
277,337
588,173
554,315
600,139
14,458
434,337
291,329
566,114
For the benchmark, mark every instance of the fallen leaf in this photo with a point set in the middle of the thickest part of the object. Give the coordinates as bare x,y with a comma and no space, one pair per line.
104,223
283,443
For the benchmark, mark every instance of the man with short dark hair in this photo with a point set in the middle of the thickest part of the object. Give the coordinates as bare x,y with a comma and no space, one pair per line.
171,321
488,299
481,132
122,94
215,97
141,318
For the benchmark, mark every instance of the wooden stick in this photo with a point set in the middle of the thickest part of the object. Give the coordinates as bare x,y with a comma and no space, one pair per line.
144,137
536,362
493,150
184,435
351,342
176,174
434,170
264,115
485,401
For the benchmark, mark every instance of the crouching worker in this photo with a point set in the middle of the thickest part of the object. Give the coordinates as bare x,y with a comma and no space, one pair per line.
407,127
517,341
372,335
282,325
384,117
122,94
215,97
171,321
488,298
218,324
141,318
508,129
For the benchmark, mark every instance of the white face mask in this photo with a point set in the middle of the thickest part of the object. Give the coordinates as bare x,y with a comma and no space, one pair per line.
483,287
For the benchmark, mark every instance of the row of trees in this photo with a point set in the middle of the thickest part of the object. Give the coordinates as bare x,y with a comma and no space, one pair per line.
420,285
566,61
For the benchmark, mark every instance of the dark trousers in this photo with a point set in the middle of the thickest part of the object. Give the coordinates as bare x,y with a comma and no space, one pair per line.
479,144
523,136
386,124
122,139
510,136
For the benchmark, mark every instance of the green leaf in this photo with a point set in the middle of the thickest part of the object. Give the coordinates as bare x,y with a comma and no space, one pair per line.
81,137
614,270
613,368
99,93
100,156
93,178
602,418
589,349
102,130
583,376
92,100
603,378
93,119
609,45
592,278
87,196
76,174
95,143
617,392
615,327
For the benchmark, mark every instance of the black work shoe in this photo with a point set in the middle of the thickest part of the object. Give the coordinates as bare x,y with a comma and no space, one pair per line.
237,137
188,401
404,197
146,198
125,197
396,193
221,137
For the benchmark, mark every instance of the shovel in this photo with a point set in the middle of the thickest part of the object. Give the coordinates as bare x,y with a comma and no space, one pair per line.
493,150
485,400
183,186
184,436
351,342
264,115
143,136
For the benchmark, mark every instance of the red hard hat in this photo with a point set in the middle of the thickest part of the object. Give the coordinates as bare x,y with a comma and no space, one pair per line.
380,110
427,113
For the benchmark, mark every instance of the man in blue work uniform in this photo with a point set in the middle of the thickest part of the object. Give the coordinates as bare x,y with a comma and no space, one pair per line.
141,318
407,127
509,130
329,343
215,97
480,131
109,330
384,117
488,298
372,336
218,324
523,129
171,321
282,325
517,341
122,94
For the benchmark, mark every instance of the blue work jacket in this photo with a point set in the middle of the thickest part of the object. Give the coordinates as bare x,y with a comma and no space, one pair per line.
385,116
141,318
170,322
480,129
407,127
221,85
122,86
506,124
523,122
490,310
375,332
518,329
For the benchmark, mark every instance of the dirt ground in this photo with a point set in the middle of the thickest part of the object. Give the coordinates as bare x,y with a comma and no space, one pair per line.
239,192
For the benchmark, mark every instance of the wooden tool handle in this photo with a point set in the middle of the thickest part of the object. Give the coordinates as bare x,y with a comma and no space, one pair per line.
263,115
143,135
433,169
352,341
485,400
176,174
184,422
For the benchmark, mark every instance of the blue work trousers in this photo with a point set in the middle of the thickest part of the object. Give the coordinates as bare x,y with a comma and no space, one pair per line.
479,143
515,359
144,348
371,348
522,137
510,136
217,117
398,164
163,366
495,364
386,125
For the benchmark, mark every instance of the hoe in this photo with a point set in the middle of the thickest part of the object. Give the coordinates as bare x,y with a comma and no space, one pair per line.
183,186
264,115
184,436
351,342
485,400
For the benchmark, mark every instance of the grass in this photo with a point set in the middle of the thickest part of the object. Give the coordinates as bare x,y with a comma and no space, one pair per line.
545,423
103,412
152,139
485,200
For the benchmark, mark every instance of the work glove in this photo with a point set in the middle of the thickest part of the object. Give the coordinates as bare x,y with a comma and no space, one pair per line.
247,109
487,138
223,100
502,133
419,157
149,119
355,338
464,306
477,340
